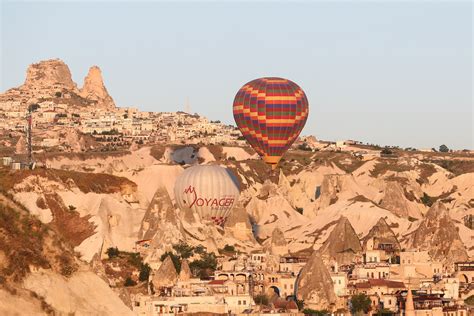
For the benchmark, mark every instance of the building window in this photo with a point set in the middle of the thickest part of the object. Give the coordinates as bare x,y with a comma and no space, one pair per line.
239,303
244,302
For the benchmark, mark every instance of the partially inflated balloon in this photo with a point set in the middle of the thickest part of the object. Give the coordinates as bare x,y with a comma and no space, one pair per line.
210,191
270,113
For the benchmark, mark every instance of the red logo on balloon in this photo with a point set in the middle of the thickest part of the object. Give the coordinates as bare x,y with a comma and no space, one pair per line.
214,203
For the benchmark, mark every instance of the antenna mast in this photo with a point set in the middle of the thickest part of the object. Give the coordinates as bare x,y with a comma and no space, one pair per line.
29,119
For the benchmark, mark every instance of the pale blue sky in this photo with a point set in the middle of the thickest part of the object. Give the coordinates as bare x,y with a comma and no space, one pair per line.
392,73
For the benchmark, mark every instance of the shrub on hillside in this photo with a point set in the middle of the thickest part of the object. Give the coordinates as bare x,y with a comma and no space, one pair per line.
130,282
443,149
360,303
112,252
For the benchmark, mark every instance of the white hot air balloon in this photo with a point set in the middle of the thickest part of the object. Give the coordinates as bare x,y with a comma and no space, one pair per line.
210,191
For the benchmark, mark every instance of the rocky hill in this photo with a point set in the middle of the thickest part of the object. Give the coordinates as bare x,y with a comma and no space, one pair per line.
51,80
41,272
331,202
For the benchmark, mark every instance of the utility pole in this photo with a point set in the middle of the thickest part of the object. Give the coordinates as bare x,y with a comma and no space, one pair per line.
29,137
29,132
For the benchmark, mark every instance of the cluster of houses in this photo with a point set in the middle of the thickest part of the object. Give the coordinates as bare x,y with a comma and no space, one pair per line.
119,124
407,282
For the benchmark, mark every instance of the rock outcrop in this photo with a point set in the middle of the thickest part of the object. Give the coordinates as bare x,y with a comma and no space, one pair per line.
48,74
166,275
185,273
335,187
84,293
342,245
160,224
277,243
437,233
314,285
380,233
238,225
395,201
51,81
94,89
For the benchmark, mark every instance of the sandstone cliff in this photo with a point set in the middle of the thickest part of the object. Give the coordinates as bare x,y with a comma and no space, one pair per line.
166,275
161,225
437,233
342,245
381,233
48,74
314,285
94,89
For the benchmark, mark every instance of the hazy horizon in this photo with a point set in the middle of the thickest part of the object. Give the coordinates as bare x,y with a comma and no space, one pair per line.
390,73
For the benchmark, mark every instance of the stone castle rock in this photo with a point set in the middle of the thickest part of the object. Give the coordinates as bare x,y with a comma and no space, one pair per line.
53,73
51,80
94,89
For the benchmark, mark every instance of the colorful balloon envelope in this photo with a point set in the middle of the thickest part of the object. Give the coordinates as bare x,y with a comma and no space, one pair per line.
270,113
210,191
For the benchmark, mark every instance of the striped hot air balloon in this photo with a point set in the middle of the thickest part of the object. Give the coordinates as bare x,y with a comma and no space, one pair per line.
270,113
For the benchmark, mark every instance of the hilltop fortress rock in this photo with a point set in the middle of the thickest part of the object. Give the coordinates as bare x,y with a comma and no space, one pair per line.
52,73
51,80
94,89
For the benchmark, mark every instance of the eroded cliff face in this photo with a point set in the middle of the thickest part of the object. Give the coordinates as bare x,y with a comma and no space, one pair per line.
51,80
161,225
380,233
49,74
41,268
94,89
342,245
166,275
438,234
315,286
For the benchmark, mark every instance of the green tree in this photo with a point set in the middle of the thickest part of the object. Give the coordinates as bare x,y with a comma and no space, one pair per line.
112,252
384,312
205,266
176,260
426,199
184,250
360,303
314,312
129,282
144,272
443,149
261,299
229,248
135,259
200,249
